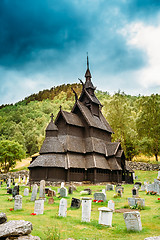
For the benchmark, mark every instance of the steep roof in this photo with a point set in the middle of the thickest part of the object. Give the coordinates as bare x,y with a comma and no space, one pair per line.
75,160
92,120
112,148
50,160
51,144
92,98
96,161
51,127
70,118
113,164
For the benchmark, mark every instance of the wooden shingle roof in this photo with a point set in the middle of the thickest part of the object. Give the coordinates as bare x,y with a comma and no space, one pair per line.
75,160
70,118
112,148
51,144
114,164
96,161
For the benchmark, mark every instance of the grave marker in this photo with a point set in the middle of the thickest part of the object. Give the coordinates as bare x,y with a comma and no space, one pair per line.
18,202
76,203
34,192
100,196
111,205
133,221
42,190
63,192
62,208
86,209
105,216
39,206
26,192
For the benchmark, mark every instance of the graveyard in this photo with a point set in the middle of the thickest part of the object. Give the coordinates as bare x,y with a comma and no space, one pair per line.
86,221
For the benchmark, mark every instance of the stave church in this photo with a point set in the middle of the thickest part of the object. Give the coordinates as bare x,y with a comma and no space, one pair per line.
78,146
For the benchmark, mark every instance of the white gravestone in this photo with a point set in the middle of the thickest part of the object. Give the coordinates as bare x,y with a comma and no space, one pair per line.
39,206
26,192
18,202
34,192
42,190
158,177
86,209
133,174
27,180
133,221
105,216
9,182
62,184
109,187
157,186
62,208
153,238
24,179
63,192
19,179
111,205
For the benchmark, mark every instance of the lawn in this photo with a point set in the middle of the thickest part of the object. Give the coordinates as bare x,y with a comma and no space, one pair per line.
71,227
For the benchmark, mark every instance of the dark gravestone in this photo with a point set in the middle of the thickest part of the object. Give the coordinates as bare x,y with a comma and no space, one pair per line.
76,203
138,183
88,190
51,193
70,190
3,218
15,191
46,190
9,190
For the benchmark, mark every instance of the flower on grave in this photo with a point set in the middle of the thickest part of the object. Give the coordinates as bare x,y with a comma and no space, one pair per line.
94,200
158,199
33,214
100,201
11,209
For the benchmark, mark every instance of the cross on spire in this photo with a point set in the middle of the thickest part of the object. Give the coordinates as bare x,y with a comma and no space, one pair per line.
52,116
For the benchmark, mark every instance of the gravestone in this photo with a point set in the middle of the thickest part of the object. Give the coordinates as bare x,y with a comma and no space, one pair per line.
135,193
153,238
18,202
150,187
105,216
86,209
62,184
51,193
62,208
70,190
39,206
119,188
46,190
133,221
136,201
157,186
131,202
111,205
34,192
119,192
75,203
109,187
27,182
84,192
143,188
63,192
50,200
88,190
9,190
15,191
26,192
133,174
42,190
9,182
100,196
158,177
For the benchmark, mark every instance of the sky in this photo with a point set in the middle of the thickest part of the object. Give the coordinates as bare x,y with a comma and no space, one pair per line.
45,43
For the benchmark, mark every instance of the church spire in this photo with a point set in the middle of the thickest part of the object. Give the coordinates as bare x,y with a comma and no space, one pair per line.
88,74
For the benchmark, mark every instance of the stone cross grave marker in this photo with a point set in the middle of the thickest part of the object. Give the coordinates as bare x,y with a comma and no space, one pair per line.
39,206
111,205
42,190
63,192
133,221
86,209
18,202
34,192
26,192
105,216
62,208
75,203
100,196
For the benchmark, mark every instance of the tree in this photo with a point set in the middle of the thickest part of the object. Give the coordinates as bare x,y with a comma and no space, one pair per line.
148,124
10,151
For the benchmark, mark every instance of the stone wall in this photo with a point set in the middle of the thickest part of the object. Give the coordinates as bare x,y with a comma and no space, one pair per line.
143,166
15,174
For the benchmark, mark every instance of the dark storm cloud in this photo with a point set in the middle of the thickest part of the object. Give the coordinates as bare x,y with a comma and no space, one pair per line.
27,27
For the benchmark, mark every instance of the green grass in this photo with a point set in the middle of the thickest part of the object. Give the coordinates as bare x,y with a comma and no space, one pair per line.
49,226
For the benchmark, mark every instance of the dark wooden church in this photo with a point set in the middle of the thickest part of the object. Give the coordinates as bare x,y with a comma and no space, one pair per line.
78,145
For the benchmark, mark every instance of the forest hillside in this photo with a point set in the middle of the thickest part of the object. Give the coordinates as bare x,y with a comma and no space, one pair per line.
134,119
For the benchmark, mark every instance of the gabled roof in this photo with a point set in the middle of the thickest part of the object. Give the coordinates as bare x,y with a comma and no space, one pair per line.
112,148
95,145
92,120
70,118
74,144
50,145
93,98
